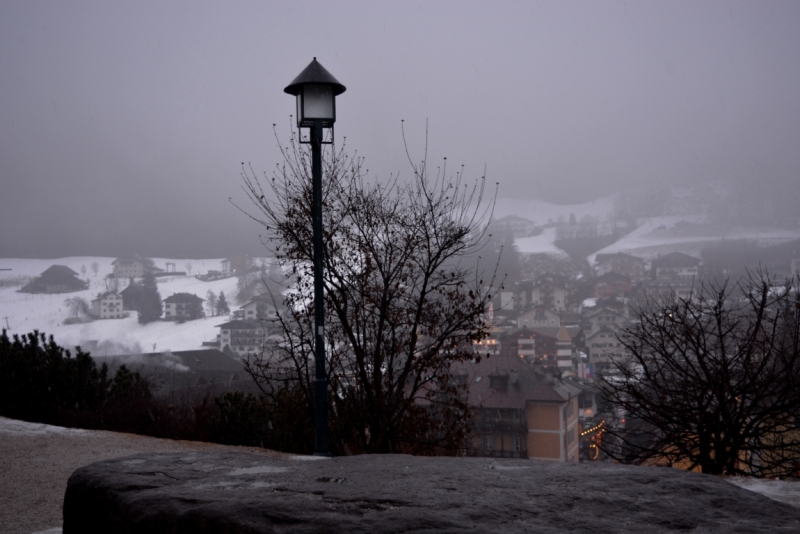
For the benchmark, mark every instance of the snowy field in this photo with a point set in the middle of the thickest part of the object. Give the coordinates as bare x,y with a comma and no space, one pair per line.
23,312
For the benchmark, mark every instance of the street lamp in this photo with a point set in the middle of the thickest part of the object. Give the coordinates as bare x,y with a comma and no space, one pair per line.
315,90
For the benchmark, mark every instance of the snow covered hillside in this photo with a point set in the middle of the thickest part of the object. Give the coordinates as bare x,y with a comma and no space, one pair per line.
22,312
683,227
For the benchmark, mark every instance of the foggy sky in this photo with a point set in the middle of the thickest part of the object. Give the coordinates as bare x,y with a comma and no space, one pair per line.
123,124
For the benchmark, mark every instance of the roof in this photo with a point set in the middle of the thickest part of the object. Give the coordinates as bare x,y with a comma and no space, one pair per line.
266,298
184,297
604,330
126,261
59,270
563,335
314,73
101,296
551,278
616,255
524,384
552,331
240,325
605,309
131,288
676,259
612,277
56,275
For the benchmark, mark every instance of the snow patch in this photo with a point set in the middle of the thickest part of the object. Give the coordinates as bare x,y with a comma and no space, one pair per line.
15,427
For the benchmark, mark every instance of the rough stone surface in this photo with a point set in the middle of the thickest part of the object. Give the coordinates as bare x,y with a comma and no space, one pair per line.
36,461
224,492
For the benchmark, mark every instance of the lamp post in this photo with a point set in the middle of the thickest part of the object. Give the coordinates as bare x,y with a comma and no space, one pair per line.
315,90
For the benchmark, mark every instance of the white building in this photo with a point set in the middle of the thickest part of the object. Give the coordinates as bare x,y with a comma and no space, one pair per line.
108,306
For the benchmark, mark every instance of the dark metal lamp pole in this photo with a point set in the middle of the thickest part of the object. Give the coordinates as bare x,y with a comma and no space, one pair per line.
316,89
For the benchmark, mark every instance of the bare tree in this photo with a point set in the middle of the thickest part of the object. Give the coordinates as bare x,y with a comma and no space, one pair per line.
712,382
188,268
402,295
95,267
77,306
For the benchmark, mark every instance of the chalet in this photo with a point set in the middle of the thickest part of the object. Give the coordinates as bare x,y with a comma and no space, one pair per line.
676,267
242,337
550,291
565,353
604,348
605,316
259,307
183,307
131,296
666,290
237,265
490,345
619,262
543,344
55,279
612,284
521,413
108,305
520,343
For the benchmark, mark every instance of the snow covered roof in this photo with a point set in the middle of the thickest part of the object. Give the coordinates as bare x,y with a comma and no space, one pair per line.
676,259
187,298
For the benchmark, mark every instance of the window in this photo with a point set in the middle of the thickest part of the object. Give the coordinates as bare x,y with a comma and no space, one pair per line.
488,442
517,444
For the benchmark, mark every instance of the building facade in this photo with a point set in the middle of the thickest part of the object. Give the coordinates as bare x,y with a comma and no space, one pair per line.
108,306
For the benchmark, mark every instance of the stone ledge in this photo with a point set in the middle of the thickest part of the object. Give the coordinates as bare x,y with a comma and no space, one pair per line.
243,493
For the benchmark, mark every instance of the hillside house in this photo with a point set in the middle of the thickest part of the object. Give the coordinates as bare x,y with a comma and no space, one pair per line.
550,291
604,348
605,316
242,336
55,279
259,307
521,413
545,344
130,267
619,262
666,291
183,307
612,284
520,343
108,305
677,268
237,265
517,226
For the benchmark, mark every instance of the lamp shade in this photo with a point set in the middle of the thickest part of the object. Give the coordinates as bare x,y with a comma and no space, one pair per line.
315,89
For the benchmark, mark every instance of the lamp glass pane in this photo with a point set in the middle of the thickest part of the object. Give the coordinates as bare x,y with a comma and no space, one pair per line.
318,102
299,115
